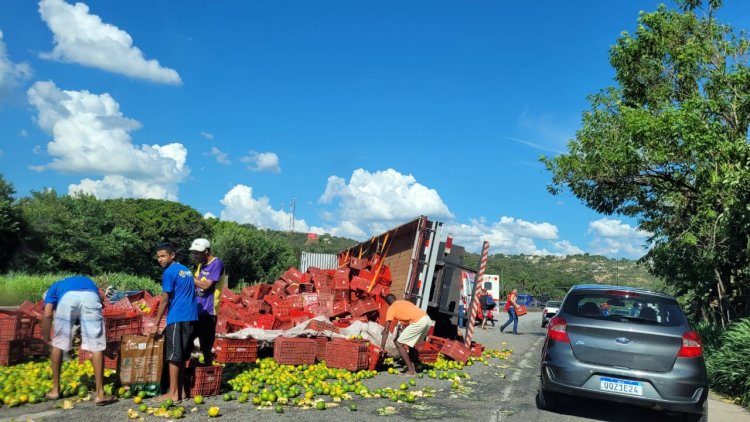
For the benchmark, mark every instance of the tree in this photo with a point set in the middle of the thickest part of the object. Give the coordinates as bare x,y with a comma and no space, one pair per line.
249,254
72,234
10,223
668,145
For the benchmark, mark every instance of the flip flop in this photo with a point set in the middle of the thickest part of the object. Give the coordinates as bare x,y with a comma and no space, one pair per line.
107,401
160,399
57,397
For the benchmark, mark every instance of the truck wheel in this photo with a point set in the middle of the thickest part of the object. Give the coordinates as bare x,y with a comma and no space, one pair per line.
546,400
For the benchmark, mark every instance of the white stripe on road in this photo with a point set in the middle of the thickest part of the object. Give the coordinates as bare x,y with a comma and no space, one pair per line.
498,415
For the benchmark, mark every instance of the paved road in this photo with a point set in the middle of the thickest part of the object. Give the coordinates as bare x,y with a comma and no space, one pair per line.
503,391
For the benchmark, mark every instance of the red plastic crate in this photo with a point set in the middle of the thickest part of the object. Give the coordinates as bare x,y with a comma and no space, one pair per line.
357,263
11,352
320,348
476,349
252,305
116,327
321,326
364,306
339,283
347,354
279,287
31,310
436,341
456,351
265,322
360,283
294,351
149,322
204,380
376,359
111,354
234,350
427,352
292,275
339,308
16,326
284,323
229,296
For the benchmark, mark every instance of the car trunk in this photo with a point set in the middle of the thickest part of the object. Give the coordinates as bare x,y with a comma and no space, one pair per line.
622,344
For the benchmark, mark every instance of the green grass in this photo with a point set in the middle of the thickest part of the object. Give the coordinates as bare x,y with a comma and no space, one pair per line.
729,365
17,287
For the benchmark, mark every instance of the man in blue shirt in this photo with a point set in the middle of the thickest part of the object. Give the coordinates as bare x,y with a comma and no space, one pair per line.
178,296
71,300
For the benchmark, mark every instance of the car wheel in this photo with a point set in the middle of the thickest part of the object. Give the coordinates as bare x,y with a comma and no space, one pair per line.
697,417
546,400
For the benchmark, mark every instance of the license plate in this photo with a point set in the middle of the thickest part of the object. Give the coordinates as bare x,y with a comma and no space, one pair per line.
615,385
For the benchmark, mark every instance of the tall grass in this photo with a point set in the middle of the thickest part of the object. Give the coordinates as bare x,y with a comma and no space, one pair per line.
729,365
17,287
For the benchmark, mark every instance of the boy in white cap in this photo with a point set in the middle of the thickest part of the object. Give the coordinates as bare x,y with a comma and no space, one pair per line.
207,278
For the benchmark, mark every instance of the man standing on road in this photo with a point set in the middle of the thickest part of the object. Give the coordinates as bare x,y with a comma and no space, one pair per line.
70,300
510,307
207,279
418,322
178,295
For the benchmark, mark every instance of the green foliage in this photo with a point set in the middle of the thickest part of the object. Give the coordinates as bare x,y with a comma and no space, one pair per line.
668,146
17,287
153,221
552,276
10,223
729,366
251,255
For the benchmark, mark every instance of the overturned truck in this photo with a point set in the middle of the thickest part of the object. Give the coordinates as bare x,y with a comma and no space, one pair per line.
424,270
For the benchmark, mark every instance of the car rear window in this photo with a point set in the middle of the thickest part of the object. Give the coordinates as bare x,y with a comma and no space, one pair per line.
635,308
553,304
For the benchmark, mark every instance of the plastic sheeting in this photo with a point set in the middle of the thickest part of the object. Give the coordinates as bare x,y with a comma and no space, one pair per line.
371,331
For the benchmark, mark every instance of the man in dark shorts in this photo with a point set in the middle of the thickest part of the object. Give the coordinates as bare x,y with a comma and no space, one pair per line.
208,285
178,301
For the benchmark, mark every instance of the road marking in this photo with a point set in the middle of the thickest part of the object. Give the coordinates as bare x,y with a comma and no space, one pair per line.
498,415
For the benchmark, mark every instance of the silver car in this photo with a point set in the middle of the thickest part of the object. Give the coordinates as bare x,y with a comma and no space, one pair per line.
625,345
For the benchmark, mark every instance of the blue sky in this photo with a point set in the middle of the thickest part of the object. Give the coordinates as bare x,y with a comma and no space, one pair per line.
366,113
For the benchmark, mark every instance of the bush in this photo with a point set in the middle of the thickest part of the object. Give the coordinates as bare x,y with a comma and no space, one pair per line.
729,365
17,287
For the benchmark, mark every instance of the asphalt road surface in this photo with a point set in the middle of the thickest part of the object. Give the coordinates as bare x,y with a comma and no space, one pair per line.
501,391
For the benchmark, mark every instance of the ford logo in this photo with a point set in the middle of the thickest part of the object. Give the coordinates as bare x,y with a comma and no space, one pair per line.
622,340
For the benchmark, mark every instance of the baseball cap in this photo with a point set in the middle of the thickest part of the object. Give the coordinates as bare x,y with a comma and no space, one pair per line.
200,245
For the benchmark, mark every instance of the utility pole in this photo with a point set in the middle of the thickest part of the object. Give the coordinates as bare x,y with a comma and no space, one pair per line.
292,206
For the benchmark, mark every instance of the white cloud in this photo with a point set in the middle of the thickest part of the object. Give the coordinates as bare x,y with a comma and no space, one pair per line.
207,135
12,75
242,207
209,215
23,133
508,235
262,161
81,37
221,157
567,248
615,239
373,202
37,149
91,136
116,186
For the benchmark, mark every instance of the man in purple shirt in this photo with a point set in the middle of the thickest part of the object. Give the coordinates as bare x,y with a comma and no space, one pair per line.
208,284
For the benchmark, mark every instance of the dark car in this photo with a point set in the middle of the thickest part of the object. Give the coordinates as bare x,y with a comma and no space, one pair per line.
625,345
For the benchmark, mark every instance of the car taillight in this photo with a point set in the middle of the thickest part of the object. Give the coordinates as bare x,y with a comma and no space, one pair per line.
558,330
691,345
544,311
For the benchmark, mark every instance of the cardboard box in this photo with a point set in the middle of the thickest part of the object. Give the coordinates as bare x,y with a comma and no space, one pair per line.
141,359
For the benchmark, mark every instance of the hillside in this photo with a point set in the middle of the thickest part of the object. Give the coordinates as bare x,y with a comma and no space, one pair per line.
553,275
